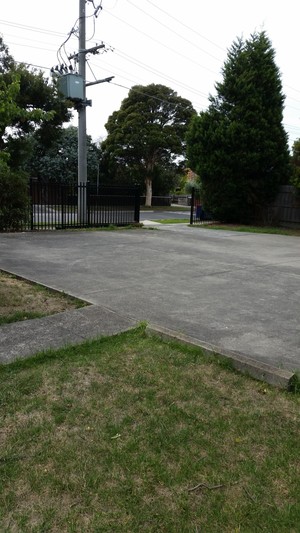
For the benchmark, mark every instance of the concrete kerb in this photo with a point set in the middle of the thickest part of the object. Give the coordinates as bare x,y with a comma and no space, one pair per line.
282,379
274,376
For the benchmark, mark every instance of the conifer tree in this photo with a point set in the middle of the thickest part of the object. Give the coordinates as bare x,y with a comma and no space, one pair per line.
239,146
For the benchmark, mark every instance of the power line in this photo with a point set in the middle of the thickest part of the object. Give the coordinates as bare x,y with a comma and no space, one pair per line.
51,32
31,28
173,31
35,47
133,89
140,81
159,73
186,26
176,52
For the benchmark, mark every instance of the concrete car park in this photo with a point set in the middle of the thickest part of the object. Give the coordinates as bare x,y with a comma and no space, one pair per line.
237,291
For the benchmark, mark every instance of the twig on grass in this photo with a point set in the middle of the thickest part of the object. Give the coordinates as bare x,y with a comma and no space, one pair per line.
211,487
249,495
76,503
205,486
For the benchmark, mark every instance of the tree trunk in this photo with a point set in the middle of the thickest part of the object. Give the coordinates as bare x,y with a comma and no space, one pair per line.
148,200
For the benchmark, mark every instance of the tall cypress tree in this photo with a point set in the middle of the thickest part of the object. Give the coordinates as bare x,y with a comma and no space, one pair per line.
239,146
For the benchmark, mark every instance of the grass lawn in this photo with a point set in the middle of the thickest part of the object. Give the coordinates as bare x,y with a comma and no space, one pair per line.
131,434
22,300
251,229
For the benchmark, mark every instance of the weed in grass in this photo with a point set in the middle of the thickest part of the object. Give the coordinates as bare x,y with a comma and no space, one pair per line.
295,383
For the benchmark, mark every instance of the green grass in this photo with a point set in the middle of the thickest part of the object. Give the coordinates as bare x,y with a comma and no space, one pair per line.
251,229
19,316
131,434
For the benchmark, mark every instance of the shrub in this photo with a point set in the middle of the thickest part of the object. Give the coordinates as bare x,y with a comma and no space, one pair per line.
14,199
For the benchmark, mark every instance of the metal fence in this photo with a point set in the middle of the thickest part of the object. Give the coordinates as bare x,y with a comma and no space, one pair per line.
61,206
198,215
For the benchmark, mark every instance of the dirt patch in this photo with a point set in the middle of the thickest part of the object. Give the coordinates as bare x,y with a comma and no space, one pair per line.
20,300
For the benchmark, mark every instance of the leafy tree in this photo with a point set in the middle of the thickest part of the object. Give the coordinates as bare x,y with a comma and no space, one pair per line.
6,60
146,137
28,104
295,163
239,146
59,162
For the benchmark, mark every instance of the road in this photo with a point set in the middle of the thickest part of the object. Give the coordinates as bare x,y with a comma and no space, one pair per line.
164,214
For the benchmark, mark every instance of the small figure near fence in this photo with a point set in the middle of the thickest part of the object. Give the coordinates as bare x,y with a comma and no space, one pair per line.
198,214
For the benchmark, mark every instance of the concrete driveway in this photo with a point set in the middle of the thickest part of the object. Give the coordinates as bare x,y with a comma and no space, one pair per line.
238,291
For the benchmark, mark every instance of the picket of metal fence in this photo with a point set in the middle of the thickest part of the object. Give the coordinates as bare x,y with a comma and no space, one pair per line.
61,206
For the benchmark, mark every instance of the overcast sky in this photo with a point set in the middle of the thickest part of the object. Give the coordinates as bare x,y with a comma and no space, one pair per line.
181,44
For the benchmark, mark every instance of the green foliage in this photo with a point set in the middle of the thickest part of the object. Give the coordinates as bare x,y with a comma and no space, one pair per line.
27,104
13,198
190,185
239,146
295,383
146,137
295,163
8,106
59,161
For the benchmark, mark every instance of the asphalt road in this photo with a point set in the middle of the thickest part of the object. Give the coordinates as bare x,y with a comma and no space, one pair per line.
238,291
164,214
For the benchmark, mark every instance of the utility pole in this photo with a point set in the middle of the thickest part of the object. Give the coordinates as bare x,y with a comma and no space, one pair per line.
82,152
81,108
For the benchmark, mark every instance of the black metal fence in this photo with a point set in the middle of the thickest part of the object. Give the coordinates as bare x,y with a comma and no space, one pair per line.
198,215
60,206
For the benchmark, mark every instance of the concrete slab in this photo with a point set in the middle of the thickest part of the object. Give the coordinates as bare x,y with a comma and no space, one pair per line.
21,339
238,291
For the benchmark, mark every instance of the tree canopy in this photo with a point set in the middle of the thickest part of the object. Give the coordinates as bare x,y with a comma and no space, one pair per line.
28,103
295,163
59,162
146,137
239,146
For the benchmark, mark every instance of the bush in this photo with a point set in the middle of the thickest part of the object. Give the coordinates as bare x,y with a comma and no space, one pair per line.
14,199
190,185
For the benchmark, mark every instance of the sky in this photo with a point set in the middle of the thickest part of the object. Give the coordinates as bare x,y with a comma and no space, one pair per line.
180,44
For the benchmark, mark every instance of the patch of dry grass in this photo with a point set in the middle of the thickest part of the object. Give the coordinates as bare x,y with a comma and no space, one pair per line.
21,300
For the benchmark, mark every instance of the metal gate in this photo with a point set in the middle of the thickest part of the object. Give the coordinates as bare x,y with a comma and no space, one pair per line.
61,206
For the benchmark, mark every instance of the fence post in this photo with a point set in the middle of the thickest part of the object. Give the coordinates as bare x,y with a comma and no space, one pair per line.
62,205
137,202
31,203
192,206
88,202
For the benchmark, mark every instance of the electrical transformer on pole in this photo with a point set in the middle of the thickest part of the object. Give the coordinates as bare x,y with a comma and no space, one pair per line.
82,152
73,87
